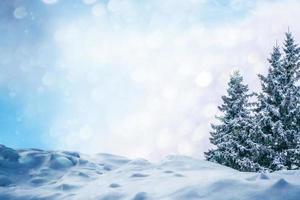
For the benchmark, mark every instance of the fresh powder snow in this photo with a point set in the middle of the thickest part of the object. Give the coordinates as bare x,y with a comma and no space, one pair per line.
33,174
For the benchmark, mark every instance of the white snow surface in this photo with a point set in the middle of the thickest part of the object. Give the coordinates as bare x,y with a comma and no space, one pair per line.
32,174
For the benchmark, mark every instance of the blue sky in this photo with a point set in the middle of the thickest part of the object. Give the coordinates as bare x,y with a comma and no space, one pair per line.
126,76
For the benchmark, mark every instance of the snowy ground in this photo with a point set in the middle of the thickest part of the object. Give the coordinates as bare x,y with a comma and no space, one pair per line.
45,175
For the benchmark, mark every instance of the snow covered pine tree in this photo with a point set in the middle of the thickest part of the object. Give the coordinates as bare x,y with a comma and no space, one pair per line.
277,126
231,135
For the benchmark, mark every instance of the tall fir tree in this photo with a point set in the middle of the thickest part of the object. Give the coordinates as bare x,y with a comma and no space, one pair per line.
276,130
292,103
231,135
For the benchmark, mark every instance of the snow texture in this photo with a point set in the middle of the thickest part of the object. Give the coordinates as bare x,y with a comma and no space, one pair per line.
32,174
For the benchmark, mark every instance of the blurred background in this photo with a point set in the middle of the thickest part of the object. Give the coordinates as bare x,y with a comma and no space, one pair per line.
129,77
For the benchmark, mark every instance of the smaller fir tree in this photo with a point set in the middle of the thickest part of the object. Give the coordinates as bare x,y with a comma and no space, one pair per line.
231,136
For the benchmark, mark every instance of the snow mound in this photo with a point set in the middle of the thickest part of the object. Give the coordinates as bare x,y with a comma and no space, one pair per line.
33,174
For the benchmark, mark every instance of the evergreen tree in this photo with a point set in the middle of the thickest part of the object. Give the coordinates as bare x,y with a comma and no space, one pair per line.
277,119
291,104
264,131
231,135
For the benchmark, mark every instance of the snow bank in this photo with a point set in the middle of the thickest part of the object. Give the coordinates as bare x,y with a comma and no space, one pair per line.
33,174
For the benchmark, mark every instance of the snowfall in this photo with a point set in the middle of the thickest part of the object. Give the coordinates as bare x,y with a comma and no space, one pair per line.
33,174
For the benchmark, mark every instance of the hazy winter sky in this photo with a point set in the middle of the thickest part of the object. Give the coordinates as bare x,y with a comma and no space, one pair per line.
140,78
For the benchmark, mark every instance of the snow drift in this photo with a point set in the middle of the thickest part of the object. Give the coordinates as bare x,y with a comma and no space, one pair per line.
33,174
